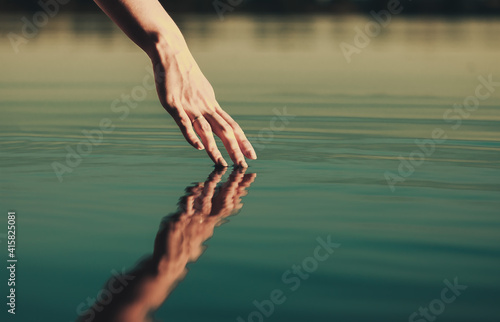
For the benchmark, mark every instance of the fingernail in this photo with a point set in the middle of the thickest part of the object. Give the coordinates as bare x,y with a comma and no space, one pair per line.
222,162
243,164
252,154
200,146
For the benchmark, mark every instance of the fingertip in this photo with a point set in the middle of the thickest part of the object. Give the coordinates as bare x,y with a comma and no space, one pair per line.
221,162
252,155
197,145
242,164
249,151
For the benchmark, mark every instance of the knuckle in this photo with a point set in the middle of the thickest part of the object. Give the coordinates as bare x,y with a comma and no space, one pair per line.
233,145
184,121
240,134
212,149
205,127
225,129
233,124
170,99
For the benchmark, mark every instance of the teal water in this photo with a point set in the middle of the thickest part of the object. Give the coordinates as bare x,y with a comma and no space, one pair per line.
321,171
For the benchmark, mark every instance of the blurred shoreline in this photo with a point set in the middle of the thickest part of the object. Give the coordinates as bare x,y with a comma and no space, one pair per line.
283,7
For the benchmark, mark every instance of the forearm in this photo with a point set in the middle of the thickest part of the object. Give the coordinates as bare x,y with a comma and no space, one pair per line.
146,23
182,88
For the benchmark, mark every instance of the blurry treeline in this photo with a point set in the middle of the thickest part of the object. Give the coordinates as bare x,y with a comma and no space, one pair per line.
425,7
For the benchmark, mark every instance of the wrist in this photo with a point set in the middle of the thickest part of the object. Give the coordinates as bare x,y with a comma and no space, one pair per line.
166,44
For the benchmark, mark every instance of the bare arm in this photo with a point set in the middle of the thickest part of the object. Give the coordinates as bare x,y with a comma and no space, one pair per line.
182,88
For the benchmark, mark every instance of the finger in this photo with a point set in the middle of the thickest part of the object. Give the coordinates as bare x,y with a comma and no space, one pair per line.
211,183
190,205
242,181
186,127
223,204
225,132
209,191
243,142
236,178
204,130
248,179
242,191
216,175
186,202
194,190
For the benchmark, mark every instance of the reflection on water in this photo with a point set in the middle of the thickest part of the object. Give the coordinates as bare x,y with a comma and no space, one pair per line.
135,295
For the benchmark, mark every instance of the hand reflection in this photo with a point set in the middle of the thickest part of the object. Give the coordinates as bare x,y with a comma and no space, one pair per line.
179,241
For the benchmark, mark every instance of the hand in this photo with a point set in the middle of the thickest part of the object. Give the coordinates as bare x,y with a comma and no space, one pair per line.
202,209
182,88
179,241
187,95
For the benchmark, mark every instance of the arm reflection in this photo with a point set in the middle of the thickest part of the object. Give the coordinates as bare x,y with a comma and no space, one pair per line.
179,241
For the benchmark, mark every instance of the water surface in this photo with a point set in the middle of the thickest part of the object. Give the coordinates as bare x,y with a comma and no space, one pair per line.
320,173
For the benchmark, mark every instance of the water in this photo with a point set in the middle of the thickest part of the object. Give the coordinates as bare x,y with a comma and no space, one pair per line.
321,171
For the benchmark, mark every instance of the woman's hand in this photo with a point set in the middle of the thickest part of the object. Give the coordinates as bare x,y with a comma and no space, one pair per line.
187,95
182,88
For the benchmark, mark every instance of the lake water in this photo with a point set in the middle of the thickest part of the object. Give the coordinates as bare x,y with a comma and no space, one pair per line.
341,162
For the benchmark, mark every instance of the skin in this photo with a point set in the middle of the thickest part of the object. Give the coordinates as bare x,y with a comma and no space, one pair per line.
182,88
178,242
